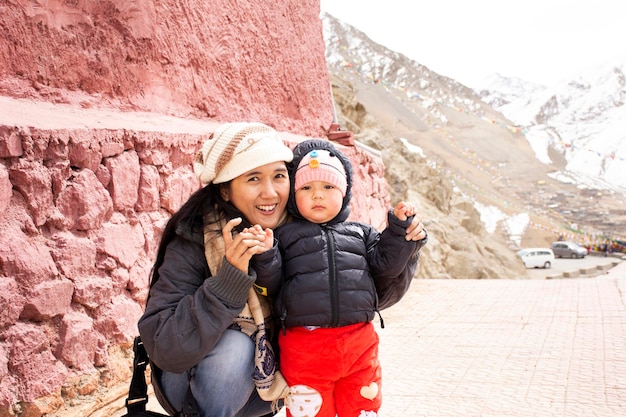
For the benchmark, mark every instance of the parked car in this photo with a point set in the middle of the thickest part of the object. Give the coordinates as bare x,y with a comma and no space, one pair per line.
568,250
536,257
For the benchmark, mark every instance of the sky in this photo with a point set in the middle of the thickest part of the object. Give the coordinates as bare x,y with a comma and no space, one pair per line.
542,41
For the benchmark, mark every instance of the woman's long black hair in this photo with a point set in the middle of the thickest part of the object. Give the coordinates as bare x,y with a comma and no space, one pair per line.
192,216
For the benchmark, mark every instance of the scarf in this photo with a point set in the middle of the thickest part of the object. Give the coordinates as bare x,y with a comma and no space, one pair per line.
255,320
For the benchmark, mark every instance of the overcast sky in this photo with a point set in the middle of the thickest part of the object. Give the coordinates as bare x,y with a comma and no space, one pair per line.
542,41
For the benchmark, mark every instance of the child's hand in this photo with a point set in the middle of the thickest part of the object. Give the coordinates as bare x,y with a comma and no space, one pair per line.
265,237
240,247
414,231
404,210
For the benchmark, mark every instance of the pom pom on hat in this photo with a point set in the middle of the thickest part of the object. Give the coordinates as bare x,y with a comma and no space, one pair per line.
235,148
321,165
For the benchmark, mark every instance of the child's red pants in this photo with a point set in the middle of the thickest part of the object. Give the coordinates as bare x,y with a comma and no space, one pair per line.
333,369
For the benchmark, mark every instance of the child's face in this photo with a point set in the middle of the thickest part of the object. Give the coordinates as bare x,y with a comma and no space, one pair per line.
319,202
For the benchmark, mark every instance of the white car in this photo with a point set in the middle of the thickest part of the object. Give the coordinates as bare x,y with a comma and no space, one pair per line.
536,257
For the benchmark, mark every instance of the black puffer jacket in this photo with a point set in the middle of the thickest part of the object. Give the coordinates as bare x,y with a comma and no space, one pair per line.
337,273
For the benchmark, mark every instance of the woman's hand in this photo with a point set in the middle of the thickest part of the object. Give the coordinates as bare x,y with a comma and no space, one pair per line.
251,241
415,230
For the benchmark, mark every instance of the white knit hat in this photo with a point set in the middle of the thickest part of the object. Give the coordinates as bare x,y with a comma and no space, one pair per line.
235,148
321,165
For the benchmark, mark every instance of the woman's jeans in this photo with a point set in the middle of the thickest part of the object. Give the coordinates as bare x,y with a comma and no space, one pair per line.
222,382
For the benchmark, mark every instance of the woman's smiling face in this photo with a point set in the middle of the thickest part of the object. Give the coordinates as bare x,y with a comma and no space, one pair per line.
261,194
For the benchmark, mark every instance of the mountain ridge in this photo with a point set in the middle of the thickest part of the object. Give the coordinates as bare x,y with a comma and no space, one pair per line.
580,118
486,154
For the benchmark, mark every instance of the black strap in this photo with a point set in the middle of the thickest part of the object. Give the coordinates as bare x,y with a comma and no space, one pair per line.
138,391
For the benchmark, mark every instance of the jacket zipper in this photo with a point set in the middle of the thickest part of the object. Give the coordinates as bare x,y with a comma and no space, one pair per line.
332,276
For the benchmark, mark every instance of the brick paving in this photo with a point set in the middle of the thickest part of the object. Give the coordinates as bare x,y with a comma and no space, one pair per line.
507,348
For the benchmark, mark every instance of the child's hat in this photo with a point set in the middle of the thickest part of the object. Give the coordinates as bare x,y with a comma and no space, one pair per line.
236,148
321,165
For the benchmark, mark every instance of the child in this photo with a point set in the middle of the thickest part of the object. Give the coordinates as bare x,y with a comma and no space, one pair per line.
334,277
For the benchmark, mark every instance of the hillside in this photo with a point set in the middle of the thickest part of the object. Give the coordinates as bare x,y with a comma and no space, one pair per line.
582,120
485,155
582,117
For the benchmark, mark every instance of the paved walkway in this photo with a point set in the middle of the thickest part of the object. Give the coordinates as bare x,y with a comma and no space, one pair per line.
507,348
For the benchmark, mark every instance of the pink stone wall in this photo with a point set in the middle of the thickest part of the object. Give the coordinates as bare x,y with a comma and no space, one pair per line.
86,187
226,60
78,236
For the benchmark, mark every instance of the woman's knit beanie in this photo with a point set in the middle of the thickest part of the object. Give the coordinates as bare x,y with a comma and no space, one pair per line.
235,148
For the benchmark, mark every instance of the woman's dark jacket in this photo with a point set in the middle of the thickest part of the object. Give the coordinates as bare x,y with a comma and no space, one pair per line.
188,309
340,272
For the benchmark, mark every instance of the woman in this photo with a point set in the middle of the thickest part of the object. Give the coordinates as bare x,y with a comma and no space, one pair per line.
193,328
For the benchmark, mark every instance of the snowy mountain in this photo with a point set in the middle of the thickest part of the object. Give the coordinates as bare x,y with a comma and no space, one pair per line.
583,119
511,147
498,90
346,46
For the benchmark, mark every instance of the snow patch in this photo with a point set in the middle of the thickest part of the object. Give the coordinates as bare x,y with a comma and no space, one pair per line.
413,148
515,226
